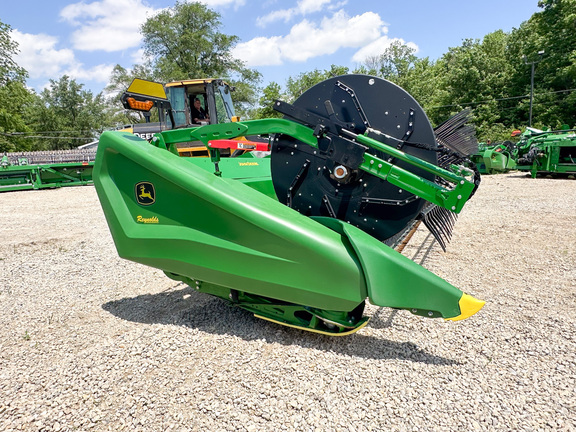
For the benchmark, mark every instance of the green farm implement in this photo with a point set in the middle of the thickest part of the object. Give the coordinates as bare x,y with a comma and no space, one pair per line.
547,152
304,236
494,158
50,169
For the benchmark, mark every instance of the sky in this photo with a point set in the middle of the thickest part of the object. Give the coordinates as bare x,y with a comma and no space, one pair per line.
280,38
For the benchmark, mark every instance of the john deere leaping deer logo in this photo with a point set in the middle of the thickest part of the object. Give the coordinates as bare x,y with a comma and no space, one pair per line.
145,194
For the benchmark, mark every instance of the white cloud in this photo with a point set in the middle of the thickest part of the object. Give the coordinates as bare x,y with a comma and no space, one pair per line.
260,51
114,25
307,39
99,73
99,25
217,3
107,25
340,31
40,57
309,6
138,56
278,15
303,7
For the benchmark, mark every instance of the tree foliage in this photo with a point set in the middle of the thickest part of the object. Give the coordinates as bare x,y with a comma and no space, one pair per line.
395,62
184,42
68,115
9,69
64,115
14,97
271,93
295,86
491,76
553,31
14,102
298,85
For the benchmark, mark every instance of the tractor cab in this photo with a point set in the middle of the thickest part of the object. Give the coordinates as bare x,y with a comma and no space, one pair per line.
174,102
214,96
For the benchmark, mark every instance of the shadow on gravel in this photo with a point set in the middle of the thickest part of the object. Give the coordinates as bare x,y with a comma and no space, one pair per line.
188,308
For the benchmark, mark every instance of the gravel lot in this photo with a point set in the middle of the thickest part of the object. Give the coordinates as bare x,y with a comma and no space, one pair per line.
92,342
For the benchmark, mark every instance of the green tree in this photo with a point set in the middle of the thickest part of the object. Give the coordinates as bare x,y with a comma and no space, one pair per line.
399,64
395,62
66,115
14,97
422,82
9,69
184,42
271,92
15,100
245,96
552,31
298,85
476,75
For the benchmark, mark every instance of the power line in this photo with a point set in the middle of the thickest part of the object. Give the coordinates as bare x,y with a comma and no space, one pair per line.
501,99
45,132
49,137
481,102
12,134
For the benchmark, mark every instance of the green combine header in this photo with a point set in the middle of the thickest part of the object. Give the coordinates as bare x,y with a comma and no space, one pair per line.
46,169
304,236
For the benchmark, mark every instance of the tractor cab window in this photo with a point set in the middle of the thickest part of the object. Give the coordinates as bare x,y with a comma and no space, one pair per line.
180,107
224,106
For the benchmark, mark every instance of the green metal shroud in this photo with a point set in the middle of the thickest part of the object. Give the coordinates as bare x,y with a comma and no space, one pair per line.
227,234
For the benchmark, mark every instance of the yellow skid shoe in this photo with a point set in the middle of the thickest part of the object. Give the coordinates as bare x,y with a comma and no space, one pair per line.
360,325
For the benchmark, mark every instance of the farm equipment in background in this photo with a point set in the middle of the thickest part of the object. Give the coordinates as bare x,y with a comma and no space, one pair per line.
547,152
304,236
52,169
174,102
46,169
495,158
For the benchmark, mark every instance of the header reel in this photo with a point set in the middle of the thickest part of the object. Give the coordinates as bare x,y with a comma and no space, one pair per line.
332,180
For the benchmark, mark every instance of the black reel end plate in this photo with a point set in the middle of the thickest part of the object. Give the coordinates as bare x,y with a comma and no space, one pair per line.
326,181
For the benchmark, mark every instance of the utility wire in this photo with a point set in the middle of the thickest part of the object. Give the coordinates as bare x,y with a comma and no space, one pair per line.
18,134
45,132
502,99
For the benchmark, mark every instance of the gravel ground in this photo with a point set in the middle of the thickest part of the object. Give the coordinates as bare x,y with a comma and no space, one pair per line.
92,342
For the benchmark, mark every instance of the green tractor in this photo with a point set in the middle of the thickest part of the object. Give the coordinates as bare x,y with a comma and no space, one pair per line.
305,236
547,152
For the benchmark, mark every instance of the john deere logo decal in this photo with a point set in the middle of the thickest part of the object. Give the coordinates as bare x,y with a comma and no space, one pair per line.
145,193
